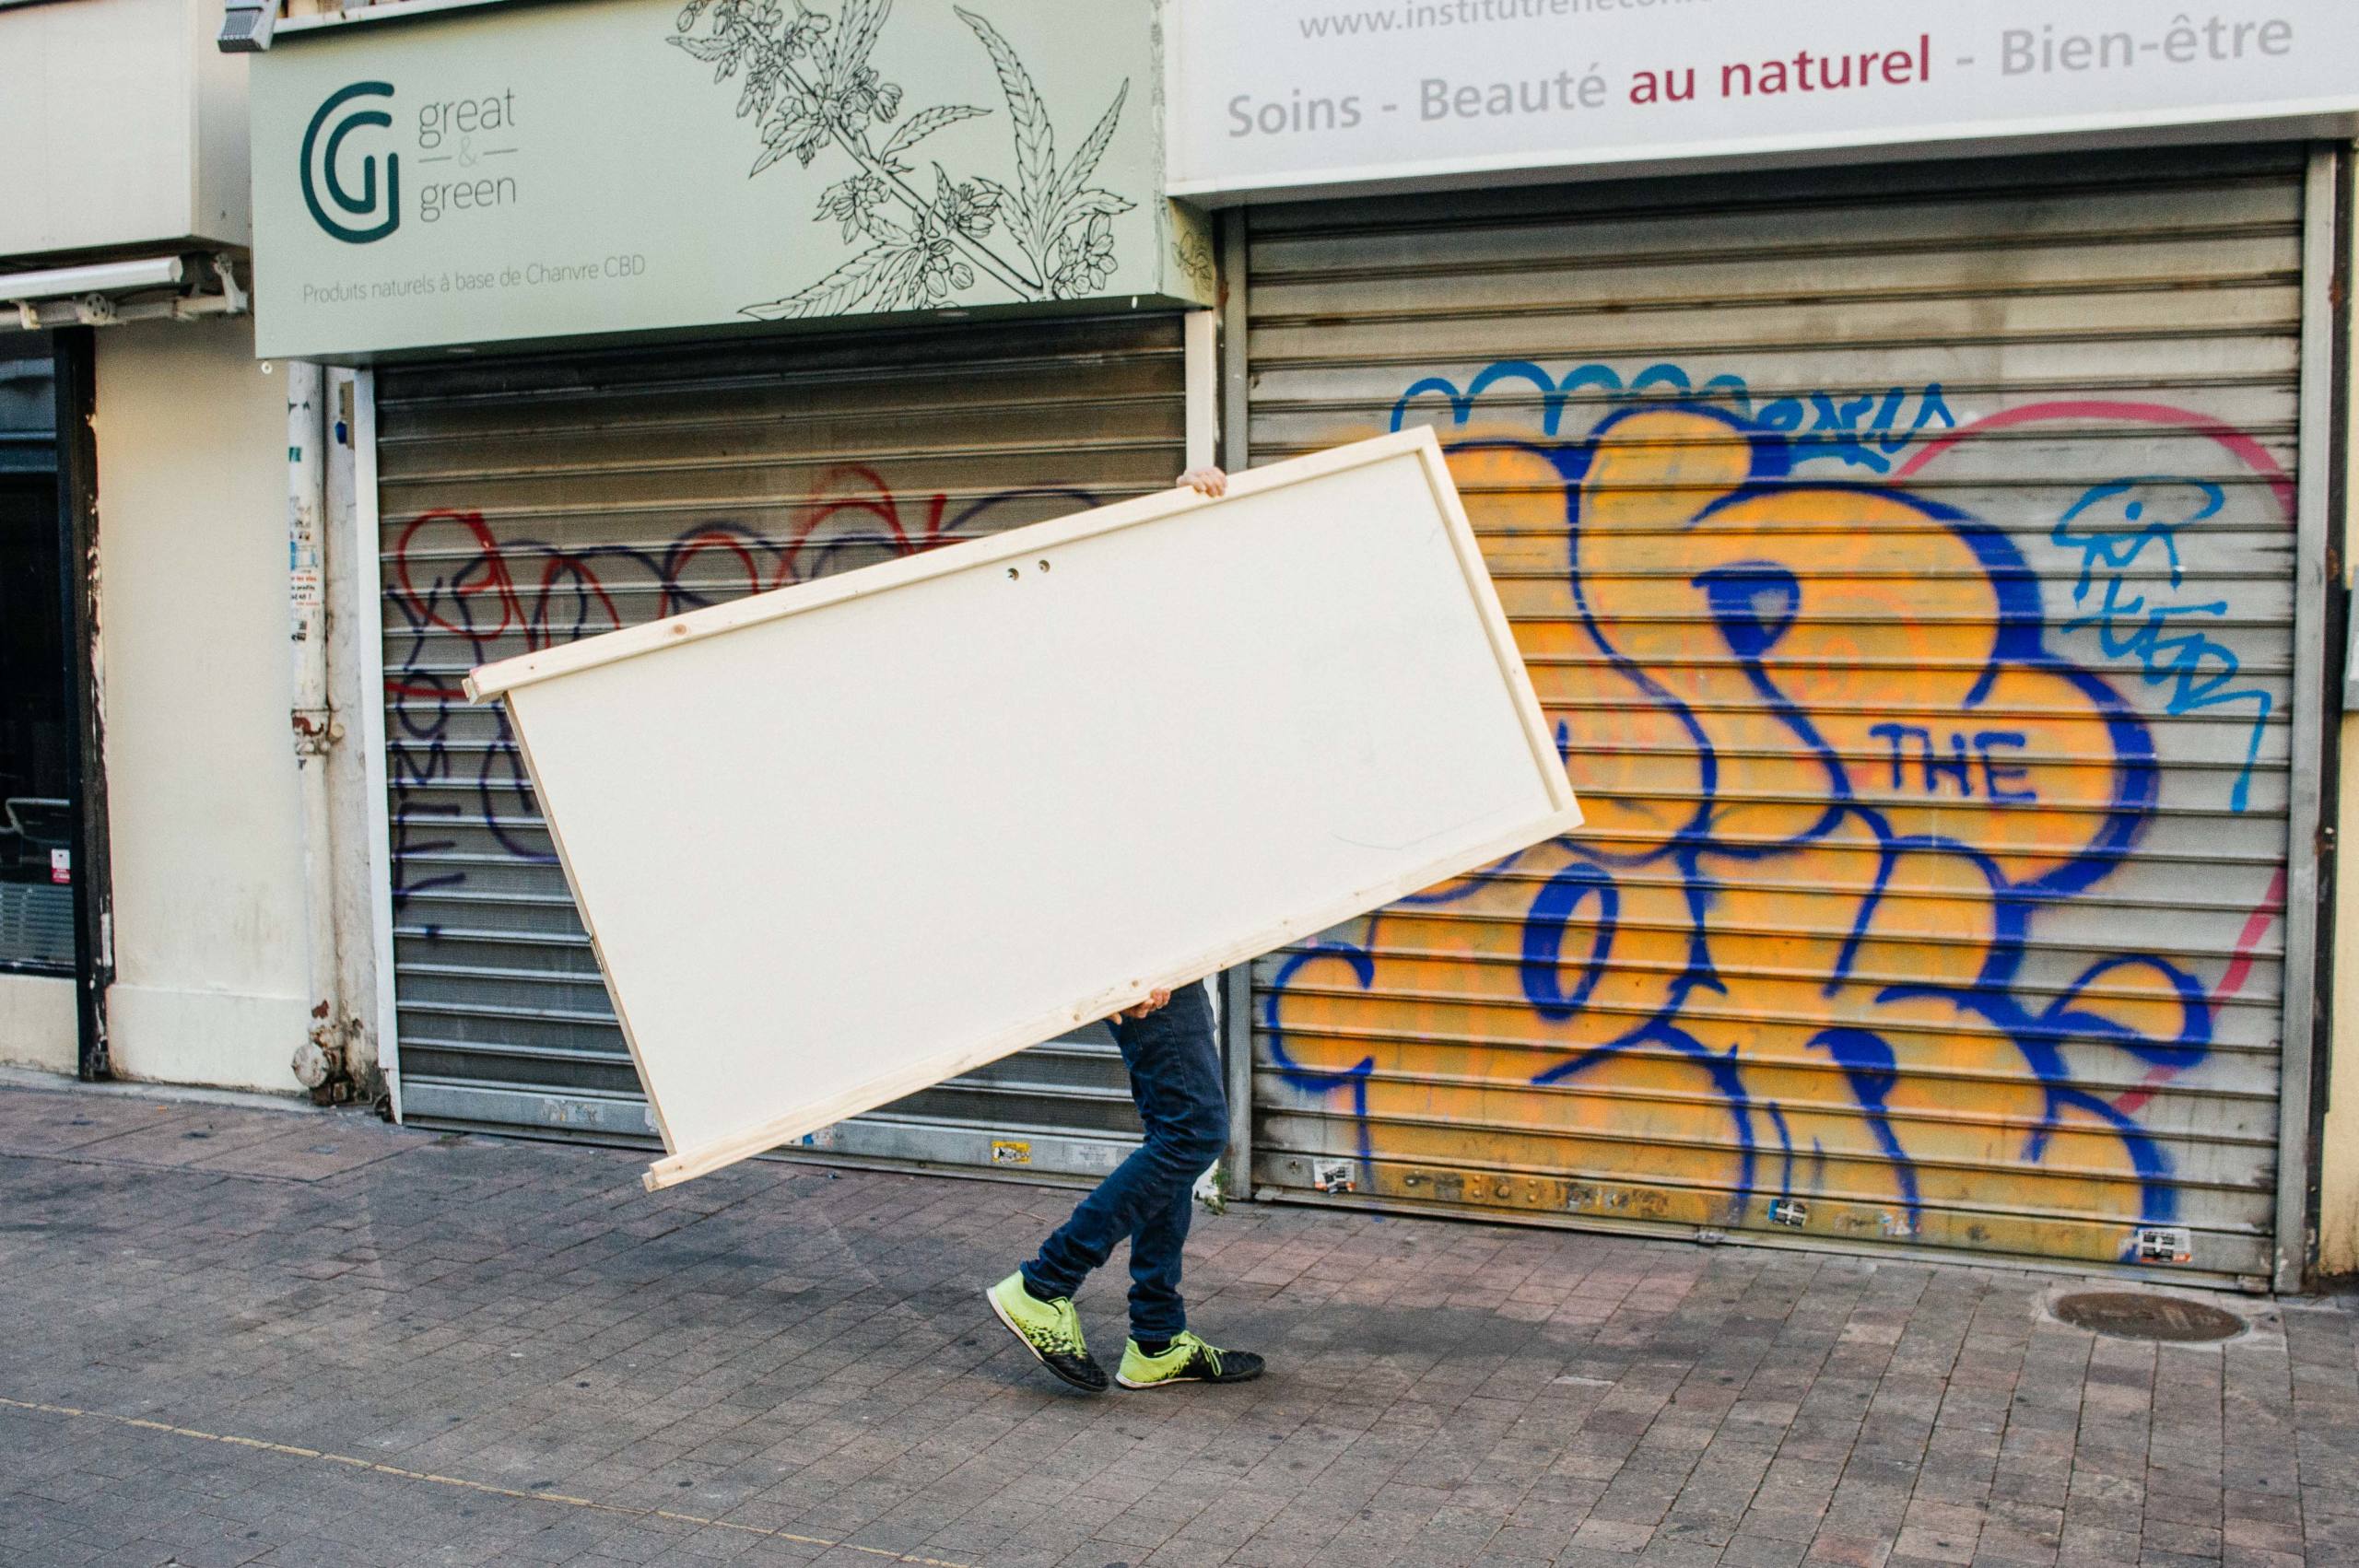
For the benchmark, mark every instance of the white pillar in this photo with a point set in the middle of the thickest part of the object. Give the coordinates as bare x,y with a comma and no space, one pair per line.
320,1061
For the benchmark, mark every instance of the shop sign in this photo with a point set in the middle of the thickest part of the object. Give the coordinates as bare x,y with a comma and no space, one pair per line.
618,166
1278,96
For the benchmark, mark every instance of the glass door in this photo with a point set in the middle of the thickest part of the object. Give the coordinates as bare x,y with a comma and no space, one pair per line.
36,728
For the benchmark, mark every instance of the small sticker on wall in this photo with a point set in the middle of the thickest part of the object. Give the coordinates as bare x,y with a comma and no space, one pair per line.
1788,1211
61,867
2166,1244
1333,1176
1011,1152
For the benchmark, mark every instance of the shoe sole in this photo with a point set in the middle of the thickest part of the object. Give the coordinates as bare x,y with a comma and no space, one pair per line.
1168,1382
1054,1371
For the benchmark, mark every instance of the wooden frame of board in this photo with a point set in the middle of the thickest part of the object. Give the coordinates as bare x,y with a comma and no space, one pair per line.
1554,809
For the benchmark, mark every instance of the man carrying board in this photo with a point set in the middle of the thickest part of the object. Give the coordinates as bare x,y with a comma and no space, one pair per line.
1167,1043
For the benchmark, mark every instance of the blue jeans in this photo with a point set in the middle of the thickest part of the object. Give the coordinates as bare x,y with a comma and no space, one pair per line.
1176,1079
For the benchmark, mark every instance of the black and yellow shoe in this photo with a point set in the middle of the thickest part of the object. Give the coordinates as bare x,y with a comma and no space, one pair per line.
1050,1330
1186,1359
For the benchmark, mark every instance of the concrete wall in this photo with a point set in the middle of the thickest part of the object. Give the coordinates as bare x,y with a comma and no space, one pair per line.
207,826
36,1027
124,125
2339,1151
2339,1146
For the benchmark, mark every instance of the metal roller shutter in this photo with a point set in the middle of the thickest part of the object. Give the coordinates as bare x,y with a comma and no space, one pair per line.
529,502
1907,559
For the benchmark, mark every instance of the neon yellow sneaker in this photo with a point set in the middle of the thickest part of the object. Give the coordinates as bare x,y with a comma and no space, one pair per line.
1050,1330
1186,1359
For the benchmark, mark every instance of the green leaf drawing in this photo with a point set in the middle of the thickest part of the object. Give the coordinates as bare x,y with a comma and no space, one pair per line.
809,87
999,192
833,295
705,49
792,130
1195,258
1036,141
920,126
1084,161
1096,203
851,204
862,20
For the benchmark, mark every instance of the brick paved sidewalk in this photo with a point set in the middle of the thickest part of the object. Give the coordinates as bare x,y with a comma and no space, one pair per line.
233,1336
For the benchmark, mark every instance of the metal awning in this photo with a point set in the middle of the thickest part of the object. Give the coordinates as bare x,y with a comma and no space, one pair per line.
100,294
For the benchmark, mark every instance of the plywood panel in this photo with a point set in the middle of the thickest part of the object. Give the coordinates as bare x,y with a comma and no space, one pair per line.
1045,772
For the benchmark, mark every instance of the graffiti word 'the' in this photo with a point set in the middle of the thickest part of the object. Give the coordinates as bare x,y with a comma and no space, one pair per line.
1913,743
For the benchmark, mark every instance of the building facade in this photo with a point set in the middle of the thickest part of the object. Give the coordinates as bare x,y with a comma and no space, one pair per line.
816,337
151,922
1924,525
1912,450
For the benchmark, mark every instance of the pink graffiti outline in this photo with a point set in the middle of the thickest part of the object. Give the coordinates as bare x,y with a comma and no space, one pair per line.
2248,452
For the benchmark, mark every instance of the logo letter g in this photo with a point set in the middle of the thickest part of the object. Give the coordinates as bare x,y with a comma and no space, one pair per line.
365,205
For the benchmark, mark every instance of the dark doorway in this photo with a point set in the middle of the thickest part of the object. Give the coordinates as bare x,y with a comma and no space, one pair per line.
37,826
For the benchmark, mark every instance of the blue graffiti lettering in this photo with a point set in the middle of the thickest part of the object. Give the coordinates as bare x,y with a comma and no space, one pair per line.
1866,430
1596,896
2196,669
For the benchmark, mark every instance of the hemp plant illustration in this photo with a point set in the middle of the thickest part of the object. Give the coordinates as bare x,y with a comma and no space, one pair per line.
809,87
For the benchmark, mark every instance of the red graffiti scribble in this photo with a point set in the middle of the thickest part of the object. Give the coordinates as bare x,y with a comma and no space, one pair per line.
695,544
482,590
880,504
496,582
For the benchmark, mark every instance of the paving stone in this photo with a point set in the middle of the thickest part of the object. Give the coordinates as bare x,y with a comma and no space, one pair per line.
778,1352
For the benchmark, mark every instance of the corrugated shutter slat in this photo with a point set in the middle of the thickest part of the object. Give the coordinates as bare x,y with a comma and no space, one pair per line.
531,501
1906,558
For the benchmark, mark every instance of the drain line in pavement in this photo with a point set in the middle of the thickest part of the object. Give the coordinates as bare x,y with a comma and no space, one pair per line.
462,1483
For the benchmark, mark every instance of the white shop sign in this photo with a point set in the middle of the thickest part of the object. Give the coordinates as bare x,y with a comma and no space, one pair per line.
1272,96
523,173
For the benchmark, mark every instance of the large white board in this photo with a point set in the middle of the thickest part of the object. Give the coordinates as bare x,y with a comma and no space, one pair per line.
1031,777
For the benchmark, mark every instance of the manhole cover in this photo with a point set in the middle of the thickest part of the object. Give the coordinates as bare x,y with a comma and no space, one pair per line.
2128,1314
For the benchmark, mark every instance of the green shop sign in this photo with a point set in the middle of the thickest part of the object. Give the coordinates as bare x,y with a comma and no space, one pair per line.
602,167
